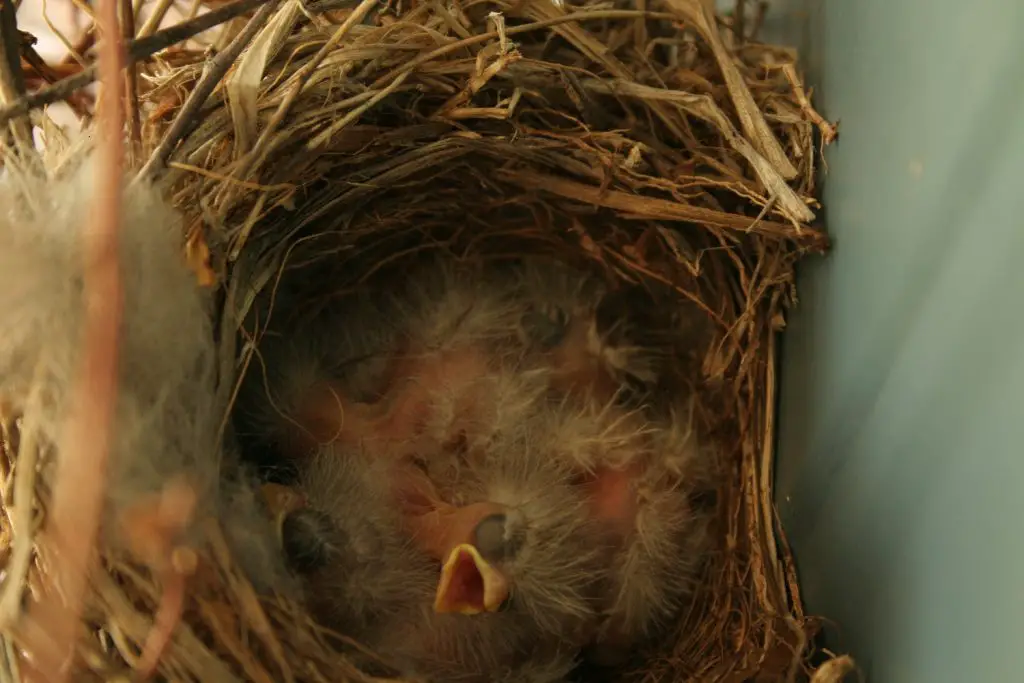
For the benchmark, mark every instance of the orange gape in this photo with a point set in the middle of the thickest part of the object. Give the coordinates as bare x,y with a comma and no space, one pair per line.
468,583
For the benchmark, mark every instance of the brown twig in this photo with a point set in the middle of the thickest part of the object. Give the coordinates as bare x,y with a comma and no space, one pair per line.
186,119
751,119
12,84
739,20
131,78
298,83
78,101
137,50
10,40
168,615
17,565
829,131
154,20
152,528
83,45
80,483
660,209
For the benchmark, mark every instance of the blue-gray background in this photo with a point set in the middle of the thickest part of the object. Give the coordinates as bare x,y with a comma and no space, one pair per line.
901,468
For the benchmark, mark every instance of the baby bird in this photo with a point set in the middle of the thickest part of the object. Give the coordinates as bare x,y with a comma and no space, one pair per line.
516,501
496,583
640,469
434,469
327,378
305,371
167,414
568,317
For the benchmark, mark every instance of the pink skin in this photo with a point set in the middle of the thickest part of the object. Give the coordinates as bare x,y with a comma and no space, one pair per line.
400,419
395,428
436,526
576,370
612,499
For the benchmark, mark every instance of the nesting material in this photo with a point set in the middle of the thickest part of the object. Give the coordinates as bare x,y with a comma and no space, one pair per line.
324,155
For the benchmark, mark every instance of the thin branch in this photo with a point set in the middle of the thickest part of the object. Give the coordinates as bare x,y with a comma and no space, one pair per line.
12,83
79,101
10,40
186,119
154,20
137,51
20,557
739,22
658,209
83,45
131,78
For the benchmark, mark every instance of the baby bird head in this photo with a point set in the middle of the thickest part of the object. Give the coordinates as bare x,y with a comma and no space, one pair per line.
630,342
590,335
348,544
526,546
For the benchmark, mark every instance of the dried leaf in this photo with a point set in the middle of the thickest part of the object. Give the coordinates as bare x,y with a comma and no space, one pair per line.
245,80
197,253
835,670
701,14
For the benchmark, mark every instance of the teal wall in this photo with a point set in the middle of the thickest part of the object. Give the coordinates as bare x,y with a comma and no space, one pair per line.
901,448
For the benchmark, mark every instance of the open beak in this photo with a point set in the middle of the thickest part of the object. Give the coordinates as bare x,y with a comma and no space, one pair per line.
469,584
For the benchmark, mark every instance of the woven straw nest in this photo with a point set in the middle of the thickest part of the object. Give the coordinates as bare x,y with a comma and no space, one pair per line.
652,144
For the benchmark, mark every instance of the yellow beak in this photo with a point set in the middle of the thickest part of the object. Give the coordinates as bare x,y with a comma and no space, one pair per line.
469,584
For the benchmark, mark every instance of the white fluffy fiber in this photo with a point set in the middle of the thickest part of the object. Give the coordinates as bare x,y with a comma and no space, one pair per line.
168,418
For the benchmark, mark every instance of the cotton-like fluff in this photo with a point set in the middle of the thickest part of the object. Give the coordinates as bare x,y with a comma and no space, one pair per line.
167,416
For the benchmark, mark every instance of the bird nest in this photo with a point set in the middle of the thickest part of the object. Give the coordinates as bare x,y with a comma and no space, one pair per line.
659,145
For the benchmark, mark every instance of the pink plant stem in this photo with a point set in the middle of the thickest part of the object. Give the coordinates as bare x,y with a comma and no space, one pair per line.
81,470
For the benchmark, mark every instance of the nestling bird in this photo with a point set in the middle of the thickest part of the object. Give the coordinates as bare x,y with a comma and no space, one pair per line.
464,587
318,380
642,466
568,317
501,456
435,466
